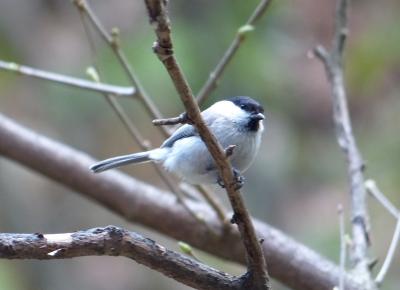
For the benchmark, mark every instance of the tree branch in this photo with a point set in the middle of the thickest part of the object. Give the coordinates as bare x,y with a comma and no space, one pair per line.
256,265
181,119
216,74
114,43
113,241
334,70
375,192
290,262
343,247
66,80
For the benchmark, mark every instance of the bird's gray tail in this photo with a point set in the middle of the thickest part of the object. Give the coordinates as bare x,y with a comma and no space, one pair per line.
120,161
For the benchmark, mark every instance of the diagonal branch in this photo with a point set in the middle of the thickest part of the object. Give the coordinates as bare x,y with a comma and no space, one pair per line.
113,41
216,74
386,203
344,134
67,80
113,241
290,262
256,265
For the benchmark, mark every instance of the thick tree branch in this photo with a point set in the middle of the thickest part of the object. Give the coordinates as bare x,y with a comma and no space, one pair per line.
113,241
256,265
344,133
67,80
216,74
290,262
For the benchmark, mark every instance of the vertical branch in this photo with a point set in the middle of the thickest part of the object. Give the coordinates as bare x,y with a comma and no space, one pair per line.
334,69
216,74
343,248
257,276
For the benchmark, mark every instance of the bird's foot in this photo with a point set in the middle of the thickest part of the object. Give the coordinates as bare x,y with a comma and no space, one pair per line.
238,180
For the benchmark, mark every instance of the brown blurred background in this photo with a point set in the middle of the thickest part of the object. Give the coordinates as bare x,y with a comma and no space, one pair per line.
299,176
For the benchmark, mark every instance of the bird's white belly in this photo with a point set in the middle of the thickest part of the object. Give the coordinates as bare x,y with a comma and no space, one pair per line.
190,159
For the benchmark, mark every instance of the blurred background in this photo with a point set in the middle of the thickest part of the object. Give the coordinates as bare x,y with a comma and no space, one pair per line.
299,177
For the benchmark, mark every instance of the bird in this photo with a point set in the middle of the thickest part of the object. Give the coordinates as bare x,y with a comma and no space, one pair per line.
234,121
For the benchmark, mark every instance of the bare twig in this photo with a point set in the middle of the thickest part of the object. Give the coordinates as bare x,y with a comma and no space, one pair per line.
343,247
373,189
216,74
67,80
257,273
334,70
181,119
212,201
113,241
390,254
291,262
114,43
375,192
144,144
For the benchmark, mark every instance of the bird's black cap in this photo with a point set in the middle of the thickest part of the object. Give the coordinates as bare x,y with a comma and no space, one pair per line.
247,104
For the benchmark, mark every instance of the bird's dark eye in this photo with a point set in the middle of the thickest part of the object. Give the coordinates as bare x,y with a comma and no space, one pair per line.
243,107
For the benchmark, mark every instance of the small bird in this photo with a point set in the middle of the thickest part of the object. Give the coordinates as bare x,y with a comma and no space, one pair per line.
235,121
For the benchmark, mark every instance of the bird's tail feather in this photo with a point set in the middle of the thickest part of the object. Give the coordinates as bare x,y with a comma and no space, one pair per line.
120,161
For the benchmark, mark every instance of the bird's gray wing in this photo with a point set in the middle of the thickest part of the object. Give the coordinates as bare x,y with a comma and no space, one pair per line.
188,130
183,132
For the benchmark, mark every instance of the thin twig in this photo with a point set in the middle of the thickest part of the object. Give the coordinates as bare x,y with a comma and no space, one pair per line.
210,199
343,248
216,74
375,192
126,121
257,275
114,43
111,100
181,119
373,189
113,241
390,254
67,80
334,70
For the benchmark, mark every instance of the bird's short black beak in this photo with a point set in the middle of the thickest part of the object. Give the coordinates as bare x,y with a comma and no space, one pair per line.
257,117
